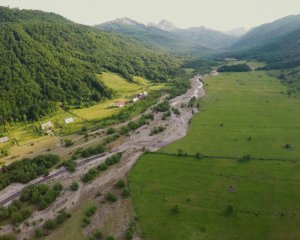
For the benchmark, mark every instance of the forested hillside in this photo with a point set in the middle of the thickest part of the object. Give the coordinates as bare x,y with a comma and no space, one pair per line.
46,60
276,43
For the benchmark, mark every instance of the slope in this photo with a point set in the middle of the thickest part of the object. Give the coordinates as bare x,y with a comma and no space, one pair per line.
154,37
277,43
47,60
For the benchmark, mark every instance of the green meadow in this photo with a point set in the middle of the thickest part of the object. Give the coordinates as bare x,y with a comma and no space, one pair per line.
244,113
221,196
265,199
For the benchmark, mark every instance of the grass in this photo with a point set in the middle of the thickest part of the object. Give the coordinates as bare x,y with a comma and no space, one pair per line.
123,89
266,198
182,197
27,139
244,113
71,229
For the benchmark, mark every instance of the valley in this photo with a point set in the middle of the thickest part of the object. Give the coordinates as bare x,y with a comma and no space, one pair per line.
120,129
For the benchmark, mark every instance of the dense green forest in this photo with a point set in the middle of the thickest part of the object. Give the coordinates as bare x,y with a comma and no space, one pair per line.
47,60
235,68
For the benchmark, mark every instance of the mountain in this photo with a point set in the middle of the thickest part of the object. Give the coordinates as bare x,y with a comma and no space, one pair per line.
164,25
207,37
199,35
47,60
237,32
154,37
277,43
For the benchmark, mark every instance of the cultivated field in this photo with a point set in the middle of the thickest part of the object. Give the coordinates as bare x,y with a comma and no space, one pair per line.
226,196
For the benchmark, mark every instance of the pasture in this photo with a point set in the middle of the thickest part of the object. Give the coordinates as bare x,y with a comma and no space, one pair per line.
223,195
264,195
244,113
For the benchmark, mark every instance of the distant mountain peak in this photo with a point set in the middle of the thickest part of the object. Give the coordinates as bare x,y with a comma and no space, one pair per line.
125,20
164,25
237,32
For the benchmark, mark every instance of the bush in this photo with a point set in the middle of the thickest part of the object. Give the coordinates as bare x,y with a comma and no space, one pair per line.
111,238
162,107
90,175
93,151
91,211
68,142
8,237
120,184
111,197
110,131
125,193
74,186
38,232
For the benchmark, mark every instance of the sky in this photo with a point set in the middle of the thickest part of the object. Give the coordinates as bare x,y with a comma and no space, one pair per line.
215,14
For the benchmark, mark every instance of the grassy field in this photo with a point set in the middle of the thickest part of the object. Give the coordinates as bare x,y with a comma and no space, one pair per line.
71,229
266,198
243,113
124,91
26,139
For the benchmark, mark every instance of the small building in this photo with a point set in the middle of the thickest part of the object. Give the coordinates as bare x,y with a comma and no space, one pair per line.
47,125
120,104
69,120
3,139
145,94
135,99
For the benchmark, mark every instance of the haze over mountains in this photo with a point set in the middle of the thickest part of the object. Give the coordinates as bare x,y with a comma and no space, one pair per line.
197,38
277,43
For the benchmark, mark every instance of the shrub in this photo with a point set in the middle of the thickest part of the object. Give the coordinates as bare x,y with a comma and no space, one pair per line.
111,238
38,232
91,211
110,131
8,237
68,142
125,193
120,184
111,197
74,186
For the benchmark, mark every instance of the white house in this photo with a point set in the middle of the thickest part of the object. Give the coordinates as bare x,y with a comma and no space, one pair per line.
3,139
69,120
145,94
47,125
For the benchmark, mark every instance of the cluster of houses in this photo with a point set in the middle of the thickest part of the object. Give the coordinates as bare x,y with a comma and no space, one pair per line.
140,96
47,126
137,97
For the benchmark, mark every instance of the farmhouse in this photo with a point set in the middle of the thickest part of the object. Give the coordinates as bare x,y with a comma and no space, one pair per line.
69,120
47,125
120,104
3,139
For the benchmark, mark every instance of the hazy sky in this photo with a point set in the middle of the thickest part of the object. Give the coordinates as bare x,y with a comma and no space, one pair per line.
217,14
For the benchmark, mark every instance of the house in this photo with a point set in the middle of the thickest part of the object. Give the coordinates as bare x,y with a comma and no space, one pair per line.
3,139
135,99
47,125
120,104
69,120
145,94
